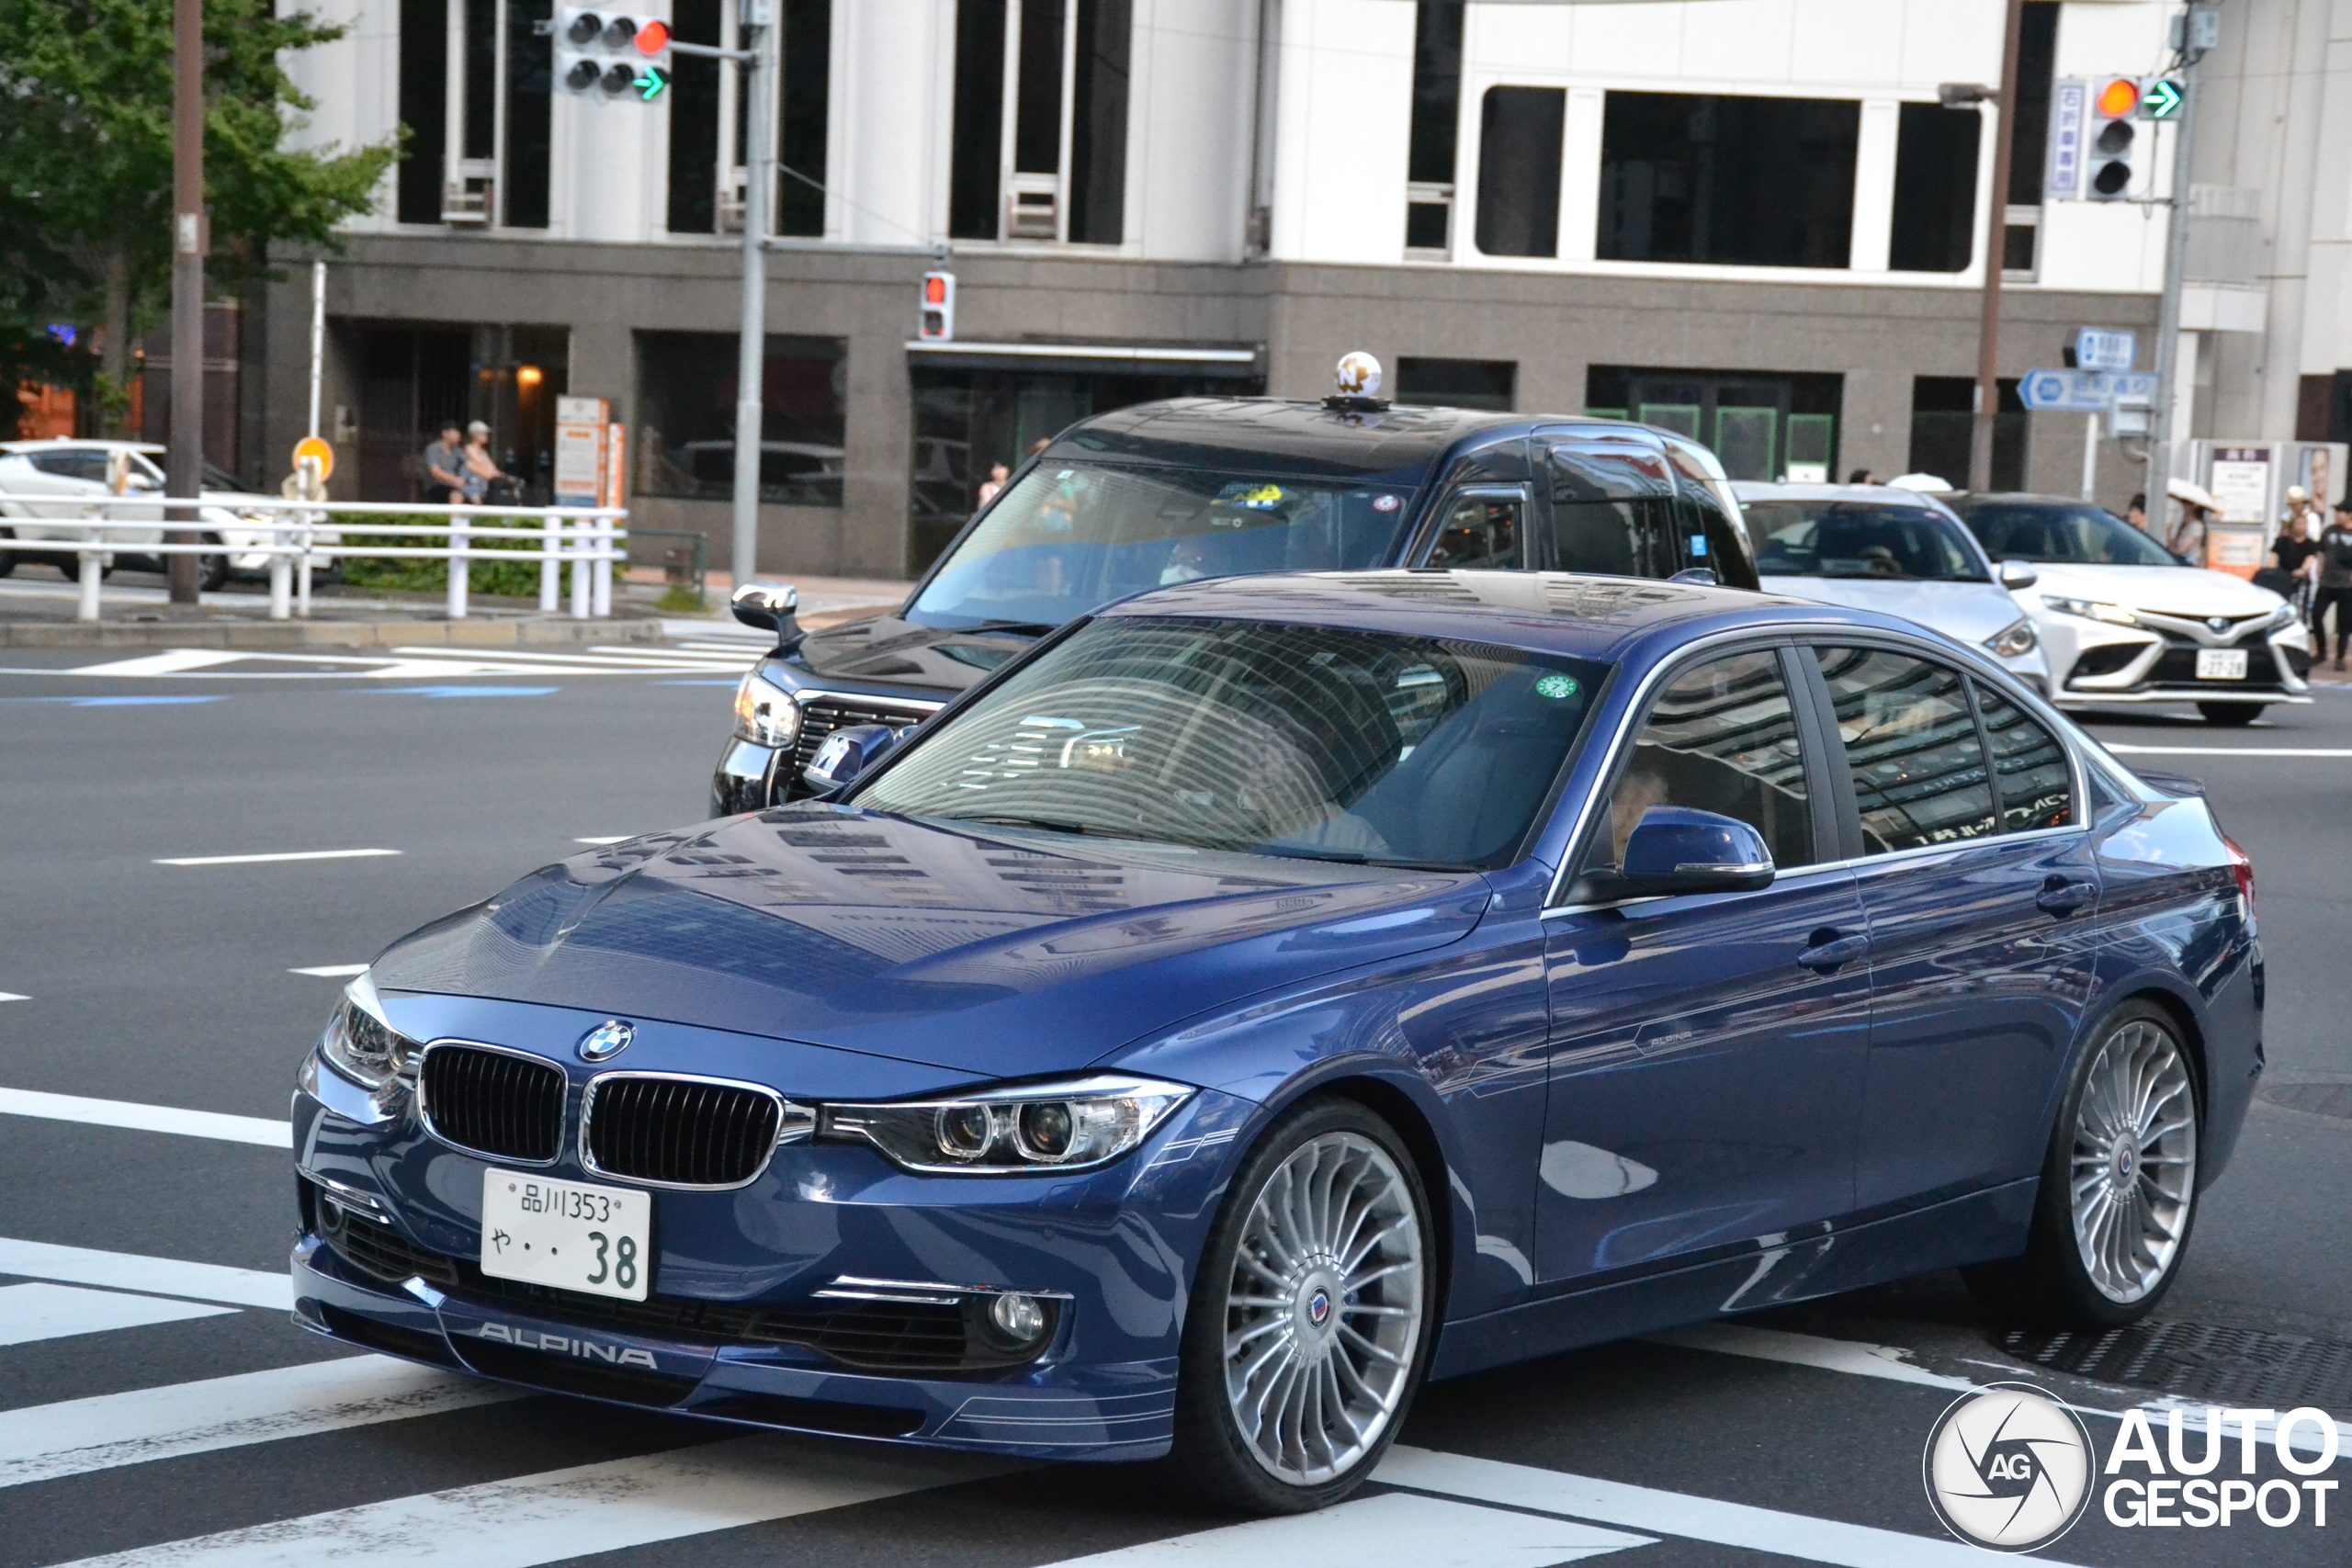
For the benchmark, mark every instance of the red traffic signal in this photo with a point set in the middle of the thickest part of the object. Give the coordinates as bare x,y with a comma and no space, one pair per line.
936,320
652,37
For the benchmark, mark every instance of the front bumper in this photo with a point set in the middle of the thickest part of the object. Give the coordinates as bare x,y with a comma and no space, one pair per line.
2108,665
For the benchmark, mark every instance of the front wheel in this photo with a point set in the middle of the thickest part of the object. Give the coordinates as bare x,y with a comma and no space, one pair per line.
212,571
2119,1185
1309,1325
2231,715
8,557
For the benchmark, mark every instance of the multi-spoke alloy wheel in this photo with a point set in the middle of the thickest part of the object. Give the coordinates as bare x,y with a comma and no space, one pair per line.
2134,1167
1310,1316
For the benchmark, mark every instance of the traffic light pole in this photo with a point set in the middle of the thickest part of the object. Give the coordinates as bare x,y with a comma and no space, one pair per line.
751,365
2160,441
1996,234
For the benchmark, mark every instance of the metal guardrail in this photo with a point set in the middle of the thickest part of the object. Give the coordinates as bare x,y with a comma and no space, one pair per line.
296,538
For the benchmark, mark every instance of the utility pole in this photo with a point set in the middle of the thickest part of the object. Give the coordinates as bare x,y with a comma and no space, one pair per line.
2160,441
1997,226
758,192
185,459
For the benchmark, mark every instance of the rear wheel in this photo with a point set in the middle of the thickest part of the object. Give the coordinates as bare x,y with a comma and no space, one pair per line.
212,571
1308,1330
8,557
2119,1185
2231,714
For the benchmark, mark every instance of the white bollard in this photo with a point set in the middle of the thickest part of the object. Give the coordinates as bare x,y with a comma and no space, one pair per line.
460,569
302,568
601,599
281,583
582,542
550,564
87,609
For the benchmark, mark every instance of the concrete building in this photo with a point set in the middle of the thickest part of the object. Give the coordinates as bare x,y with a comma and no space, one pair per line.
1747,219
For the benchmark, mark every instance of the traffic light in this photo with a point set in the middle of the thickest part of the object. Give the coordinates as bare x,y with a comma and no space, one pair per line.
2113,144
596,37
937,322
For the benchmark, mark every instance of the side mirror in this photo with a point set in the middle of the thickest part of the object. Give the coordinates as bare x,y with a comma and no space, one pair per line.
771,607
2018,574
1675,850
846,753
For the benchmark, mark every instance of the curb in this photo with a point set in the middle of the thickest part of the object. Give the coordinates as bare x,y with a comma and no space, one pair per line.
321,633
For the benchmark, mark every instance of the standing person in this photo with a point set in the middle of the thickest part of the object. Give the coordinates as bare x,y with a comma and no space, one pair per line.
2296,553
444,461
2197,509
2135,513
2334,581
998,474
1861,476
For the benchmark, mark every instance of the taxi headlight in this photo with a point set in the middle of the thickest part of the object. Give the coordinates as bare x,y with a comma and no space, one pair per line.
2015,640
765,712
2092,610
1063,1126
362,1045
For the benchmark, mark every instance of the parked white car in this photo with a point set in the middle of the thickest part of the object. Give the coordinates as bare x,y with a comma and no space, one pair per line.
70,475
2125,620
1873,547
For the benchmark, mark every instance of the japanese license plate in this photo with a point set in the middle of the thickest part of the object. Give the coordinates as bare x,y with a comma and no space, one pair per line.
2220,663
566,1233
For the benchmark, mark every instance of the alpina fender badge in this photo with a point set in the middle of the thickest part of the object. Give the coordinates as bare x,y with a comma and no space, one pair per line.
607,1039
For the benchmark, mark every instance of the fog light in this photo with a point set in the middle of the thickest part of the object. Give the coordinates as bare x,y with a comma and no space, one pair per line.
1019,1317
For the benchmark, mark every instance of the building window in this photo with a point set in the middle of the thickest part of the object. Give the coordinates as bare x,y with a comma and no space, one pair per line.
1760,425
424,113
801,117
502,119
530,83
413,380
1935,188
694,121
1519,135
2037,64
1030,161
1943,428
1488,384
1437,111
1728,180
684,445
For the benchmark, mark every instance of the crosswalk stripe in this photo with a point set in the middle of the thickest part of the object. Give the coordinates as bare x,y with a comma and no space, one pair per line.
75,1436
1669,1512
1396,1530
266,1131
277,857
28,1313
589,1508
332,971
1807,1350
129,1271
646,660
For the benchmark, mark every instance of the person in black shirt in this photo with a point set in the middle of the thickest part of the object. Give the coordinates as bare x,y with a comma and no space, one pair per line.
2335,581
2296,553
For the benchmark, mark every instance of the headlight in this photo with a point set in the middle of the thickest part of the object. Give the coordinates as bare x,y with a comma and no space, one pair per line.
361,1046
765,712
2093,610
1064,1126
2013,641
2285,616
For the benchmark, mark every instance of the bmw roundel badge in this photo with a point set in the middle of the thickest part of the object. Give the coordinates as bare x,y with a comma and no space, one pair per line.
607,1039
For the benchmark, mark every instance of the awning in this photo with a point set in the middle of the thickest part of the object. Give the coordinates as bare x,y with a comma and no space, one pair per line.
1238,361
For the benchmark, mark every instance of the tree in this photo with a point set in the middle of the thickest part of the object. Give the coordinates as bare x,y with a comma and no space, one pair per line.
86,148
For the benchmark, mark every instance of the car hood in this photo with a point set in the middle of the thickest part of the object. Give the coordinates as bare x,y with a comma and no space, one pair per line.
1965,612
883,651
995,952
2167,590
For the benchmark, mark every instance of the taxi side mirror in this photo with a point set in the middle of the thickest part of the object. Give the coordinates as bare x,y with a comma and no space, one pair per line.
846,753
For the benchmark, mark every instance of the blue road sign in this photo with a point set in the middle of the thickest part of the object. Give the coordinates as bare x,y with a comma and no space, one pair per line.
2097,349
2084,391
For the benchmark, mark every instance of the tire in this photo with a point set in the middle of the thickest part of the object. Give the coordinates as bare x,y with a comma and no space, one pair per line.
8,557
212,571
2231,715
1260,1346
2093,1264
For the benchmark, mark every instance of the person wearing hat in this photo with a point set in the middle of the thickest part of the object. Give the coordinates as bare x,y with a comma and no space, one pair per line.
2334,581
479,470
2197,510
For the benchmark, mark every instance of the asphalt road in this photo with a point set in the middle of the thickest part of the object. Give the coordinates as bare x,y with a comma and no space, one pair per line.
156,1403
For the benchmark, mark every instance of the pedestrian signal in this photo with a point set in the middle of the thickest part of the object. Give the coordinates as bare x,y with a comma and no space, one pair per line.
936,323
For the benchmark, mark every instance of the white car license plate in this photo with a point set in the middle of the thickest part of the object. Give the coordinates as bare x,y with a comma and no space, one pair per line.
2220,663
566,1233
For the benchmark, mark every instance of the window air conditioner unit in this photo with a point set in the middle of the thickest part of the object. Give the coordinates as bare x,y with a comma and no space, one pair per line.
1033,208
468,204
730,206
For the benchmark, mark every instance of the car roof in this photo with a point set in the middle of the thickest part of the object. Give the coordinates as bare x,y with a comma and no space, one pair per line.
1400,444
1893,495
1960,498
52,443
1580,615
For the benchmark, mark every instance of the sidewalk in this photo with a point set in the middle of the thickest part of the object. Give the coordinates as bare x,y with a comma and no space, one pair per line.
34,614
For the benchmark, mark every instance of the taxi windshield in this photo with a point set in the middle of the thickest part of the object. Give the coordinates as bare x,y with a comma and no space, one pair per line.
1071,536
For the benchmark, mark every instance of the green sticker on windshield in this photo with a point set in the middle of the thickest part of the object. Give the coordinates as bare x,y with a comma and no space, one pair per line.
1557,687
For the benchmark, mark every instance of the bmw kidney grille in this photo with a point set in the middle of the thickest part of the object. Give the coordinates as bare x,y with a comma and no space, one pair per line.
493,1104
684,1132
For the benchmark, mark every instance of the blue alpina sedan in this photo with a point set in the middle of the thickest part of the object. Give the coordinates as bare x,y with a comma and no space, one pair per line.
1269,993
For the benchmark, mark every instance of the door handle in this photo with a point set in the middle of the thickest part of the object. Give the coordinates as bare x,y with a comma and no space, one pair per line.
2062,898
1830,951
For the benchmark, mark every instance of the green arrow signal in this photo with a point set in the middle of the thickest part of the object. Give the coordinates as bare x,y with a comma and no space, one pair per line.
2162,101
650,86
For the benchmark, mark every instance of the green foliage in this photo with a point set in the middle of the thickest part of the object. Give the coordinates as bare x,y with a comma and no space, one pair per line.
680,600
520,580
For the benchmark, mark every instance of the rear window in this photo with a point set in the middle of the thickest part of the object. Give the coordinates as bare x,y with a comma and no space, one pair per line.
1849,538
2060,534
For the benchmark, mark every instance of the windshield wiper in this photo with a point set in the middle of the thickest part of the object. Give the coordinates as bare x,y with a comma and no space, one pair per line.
1050,824
1030,628
1350,857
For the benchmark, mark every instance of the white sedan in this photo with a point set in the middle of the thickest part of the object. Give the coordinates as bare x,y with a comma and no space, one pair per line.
58,482
2125,620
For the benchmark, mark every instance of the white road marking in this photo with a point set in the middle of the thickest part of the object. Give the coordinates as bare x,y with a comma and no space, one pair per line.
1807,1350
1395,1530
272,859
1671,1513
332,971
58,1311
2225,751
268,1132
171,661
614,838
650,661
399,664
46,1442
128,1272
13,996
591,1508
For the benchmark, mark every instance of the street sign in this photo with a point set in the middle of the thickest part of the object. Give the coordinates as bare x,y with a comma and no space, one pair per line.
2069,105
2098,348
2162,99
2084,391
315,447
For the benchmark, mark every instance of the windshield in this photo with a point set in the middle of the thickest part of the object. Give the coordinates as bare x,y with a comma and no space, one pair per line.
2055,530
1072,536
1312,742
1858,539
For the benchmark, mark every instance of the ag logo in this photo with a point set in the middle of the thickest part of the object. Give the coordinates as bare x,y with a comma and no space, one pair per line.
607,1039
2008,1468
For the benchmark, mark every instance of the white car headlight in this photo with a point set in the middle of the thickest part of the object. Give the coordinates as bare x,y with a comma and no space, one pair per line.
2092,610
1059,1126
2283,617
2013,640
765,712
361,1043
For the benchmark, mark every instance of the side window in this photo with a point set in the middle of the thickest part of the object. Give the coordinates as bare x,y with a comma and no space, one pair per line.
1722,737
2037,785
1480,531
1613,508
1911,742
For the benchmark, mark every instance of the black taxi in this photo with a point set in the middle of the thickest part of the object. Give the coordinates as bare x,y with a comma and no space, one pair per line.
1173,492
